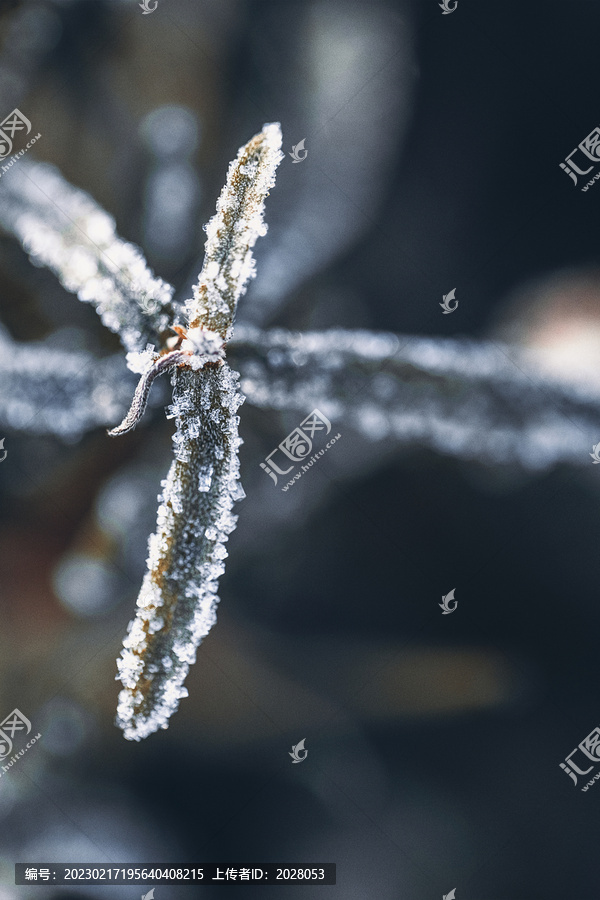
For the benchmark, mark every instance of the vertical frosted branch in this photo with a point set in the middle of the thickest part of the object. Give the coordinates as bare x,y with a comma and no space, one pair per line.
178,598
233,231
62,228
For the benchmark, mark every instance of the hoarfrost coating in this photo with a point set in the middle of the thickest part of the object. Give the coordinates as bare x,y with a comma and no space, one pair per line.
61,227
233,231
462,398
178,599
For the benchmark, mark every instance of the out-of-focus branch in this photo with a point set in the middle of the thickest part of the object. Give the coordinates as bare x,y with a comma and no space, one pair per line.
61,227
46,390
474,400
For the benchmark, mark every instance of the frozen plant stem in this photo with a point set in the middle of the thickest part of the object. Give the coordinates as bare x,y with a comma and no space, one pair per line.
178,598
232,232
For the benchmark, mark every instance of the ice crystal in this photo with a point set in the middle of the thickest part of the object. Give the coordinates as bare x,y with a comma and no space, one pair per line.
207,345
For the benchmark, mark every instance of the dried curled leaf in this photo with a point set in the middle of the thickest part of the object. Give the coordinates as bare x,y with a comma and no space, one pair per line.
178,598
233,231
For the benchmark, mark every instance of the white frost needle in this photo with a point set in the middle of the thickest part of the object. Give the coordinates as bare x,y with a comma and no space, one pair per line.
178,598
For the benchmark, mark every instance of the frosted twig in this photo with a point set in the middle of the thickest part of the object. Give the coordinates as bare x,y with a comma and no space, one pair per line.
463,398
471,400
233,231
474,400
61,227
46,390
178,599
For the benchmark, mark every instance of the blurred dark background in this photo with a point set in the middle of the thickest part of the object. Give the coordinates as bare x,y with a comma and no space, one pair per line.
433,741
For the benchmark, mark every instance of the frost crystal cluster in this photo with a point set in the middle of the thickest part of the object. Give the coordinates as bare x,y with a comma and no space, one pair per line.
233,231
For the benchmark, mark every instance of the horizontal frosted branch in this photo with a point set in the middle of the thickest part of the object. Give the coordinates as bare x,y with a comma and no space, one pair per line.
233,231
63,228
178,598
46,390
475,400
462,398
